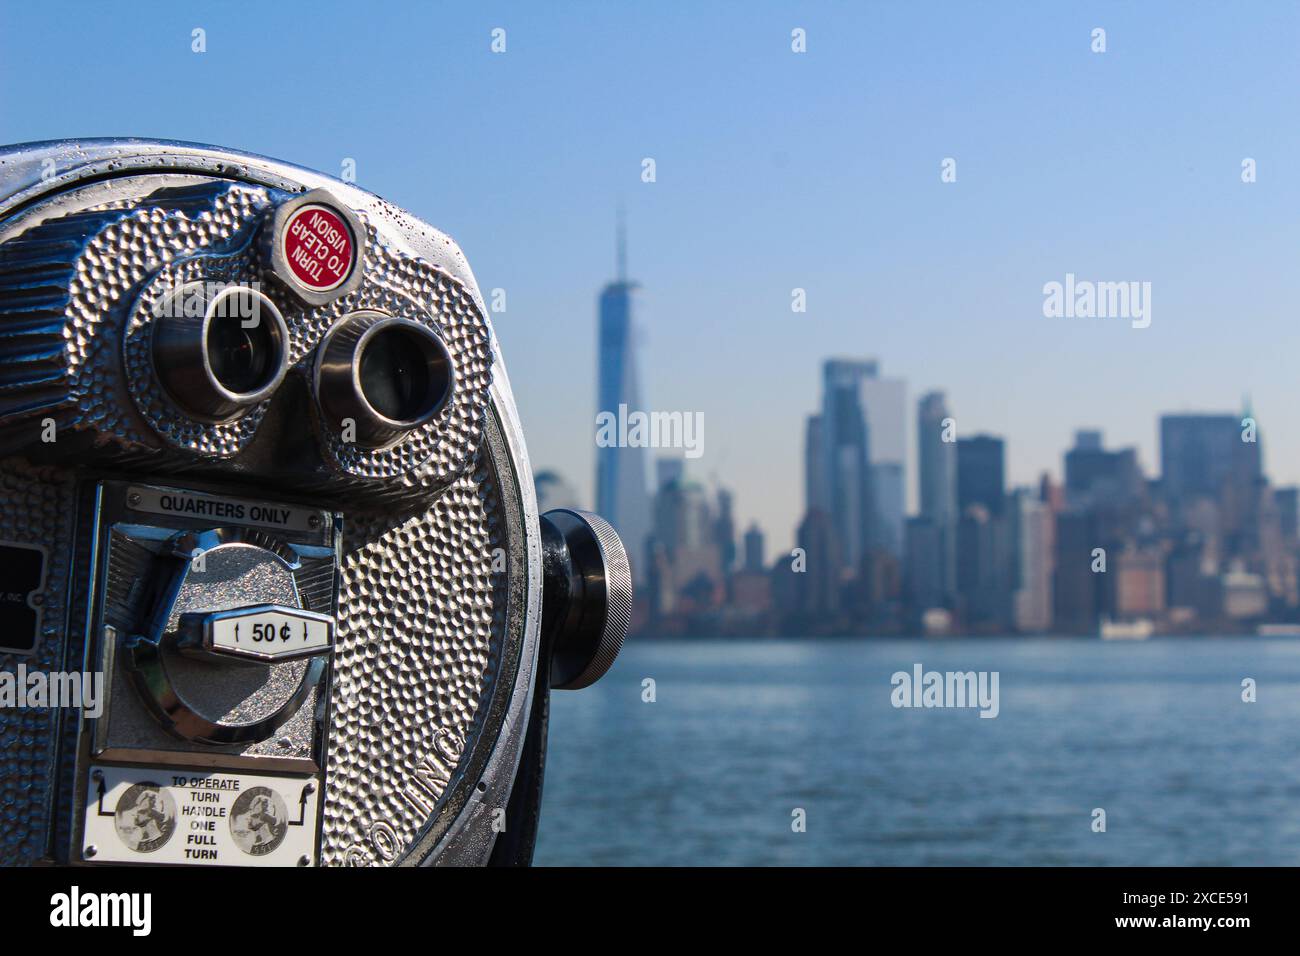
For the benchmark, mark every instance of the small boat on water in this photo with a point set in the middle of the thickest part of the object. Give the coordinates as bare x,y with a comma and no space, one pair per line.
1136,630
1278,630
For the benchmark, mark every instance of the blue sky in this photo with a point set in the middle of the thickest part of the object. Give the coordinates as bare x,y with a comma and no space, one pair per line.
778,170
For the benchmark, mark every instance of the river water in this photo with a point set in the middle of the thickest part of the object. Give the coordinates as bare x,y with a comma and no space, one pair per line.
743,735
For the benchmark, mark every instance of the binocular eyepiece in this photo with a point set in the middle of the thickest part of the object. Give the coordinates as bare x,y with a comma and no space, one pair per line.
219,351
387,374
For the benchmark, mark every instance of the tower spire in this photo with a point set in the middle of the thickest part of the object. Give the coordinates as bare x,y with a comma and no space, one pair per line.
620,244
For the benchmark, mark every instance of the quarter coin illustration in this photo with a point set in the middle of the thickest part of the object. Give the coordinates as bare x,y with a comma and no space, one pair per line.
145,818
259,821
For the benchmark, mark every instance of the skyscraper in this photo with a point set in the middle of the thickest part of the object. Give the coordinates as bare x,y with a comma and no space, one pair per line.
724,532
923,570
621,473
983,537
668,470
816,490
1189,465
1215,458
980,473
687,569
1287,501
845,447
755,560
1198,453
937,461
884,401
889,494
814,589
1031,572
1076,588
984,569
817,591
1096,478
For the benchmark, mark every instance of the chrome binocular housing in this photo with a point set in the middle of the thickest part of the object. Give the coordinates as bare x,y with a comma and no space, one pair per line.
261,471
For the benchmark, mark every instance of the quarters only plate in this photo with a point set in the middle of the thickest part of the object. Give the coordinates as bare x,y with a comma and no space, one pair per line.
165,815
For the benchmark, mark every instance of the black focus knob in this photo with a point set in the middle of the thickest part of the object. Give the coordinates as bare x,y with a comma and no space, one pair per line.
586,598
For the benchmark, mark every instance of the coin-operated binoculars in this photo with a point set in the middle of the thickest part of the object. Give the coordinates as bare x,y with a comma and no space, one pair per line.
261,474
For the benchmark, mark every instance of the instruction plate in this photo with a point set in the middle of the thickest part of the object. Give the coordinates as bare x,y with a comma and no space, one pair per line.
202,818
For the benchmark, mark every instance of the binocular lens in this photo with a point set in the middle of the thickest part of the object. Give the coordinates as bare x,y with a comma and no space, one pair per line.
397,375
222,357
243,359
385,375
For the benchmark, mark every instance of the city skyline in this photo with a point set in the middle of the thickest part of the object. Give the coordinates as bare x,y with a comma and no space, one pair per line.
891,460
668,462
1123,165
1207,545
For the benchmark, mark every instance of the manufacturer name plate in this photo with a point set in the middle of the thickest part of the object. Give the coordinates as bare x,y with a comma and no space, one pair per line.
202,818
22,579
194,504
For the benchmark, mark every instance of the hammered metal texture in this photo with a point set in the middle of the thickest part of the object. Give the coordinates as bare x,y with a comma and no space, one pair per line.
76,304
421,611
108,273
36,507
177,429
436,452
